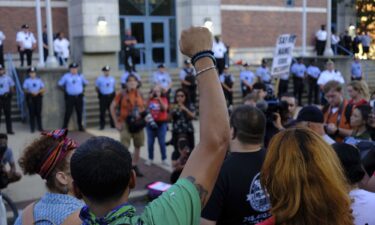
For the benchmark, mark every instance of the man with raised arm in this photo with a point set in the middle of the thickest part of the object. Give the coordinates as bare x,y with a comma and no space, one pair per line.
101,167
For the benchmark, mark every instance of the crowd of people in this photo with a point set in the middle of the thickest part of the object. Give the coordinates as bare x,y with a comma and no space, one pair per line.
270,161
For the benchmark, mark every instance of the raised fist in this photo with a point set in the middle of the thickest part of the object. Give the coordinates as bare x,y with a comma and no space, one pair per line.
194,40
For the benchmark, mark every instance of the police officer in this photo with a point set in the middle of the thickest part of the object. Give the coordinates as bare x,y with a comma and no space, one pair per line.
356,70
247,80
264,75
6,90
26,44
73,85
125,76
298,70
162,78
34,90
105,86
313,73
227,81
188,81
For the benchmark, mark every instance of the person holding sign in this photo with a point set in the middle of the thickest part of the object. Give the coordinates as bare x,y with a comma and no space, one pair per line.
298,70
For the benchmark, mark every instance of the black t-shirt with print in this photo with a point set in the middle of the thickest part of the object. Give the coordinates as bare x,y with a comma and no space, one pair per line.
238,197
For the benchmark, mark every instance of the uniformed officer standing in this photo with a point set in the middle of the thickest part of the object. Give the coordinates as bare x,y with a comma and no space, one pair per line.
105,86
247,80
125,76
227,81
26,44
162,78
34,90
298,70
73,85
264,75
188,81
356,70
313,73
6,90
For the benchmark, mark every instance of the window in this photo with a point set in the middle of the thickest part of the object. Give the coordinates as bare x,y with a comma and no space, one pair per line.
132,7
289,3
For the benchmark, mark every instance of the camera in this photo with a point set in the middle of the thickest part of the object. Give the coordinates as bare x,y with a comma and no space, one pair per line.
150,120
274,105
154,95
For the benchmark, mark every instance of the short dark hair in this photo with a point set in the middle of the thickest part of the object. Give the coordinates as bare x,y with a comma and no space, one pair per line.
288,95
3,136
260,85
350,159
332,85
101,169
249,124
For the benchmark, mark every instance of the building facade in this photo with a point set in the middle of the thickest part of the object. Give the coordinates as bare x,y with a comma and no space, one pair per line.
248,27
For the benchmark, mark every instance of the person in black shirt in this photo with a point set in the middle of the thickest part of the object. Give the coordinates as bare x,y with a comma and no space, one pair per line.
238,197
129,43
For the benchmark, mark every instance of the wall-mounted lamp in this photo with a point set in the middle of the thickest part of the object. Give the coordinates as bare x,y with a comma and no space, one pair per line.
207,23
102,21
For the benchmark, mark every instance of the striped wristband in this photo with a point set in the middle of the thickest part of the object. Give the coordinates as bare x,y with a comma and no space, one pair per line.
203,54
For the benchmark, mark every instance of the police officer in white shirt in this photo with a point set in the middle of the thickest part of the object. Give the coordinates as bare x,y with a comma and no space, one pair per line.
247,79
313,73
73,85
321,38
6,90
162,78
34,90
61,47
329,75
26,44
219,49
298,70
125,76
2,38
105,86
188,81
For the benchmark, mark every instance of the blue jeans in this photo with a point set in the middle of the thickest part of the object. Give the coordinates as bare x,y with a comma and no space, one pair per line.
159,133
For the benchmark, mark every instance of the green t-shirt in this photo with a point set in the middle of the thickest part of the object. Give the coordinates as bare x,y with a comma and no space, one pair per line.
180,205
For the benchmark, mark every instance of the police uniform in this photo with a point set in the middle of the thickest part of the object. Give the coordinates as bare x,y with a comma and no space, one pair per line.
34,88
249,77
105,86
228,80
298,70
124,78
6,86
313,73
356,71
26,42
188,74
73,85
163,79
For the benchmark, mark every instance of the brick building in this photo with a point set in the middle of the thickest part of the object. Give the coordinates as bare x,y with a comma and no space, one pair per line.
249,27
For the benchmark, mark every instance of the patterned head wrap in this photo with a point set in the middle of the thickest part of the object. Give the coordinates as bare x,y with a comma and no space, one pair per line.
57,152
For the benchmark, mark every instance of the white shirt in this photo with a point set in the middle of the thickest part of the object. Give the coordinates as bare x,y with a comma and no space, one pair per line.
61,47
335,39
327,76
328,139
321,35
284,76
219,49
363,206
2,37
26,39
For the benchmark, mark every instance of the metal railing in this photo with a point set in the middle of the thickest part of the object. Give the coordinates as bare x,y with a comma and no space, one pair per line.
12,72
347,51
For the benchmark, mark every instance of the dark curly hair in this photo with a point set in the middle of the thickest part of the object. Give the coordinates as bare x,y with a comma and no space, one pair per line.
34,153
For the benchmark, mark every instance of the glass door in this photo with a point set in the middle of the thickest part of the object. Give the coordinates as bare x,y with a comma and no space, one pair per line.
152,35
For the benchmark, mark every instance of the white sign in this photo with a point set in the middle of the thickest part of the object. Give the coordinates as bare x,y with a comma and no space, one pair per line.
282,57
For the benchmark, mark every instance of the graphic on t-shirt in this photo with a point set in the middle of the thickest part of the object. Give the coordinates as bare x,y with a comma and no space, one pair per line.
257,197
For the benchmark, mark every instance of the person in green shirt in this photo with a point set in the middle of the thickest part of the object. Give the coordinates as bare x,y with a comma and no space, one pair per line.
101,167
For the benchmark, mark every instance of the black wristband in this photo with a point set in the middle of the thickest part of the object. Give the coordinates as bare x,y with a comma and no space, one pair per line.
203,54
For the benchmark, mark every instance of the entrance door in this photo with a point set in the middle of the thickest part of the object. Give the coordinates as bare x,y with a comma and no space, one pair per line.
152,35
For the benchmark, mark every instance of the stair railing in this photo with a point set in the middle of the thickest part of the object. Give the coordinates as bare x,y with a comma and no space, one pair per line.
12,72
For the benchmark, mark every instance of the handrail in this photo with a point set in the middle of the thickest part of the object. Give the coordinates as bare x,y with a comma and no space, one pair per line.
345,50
19,92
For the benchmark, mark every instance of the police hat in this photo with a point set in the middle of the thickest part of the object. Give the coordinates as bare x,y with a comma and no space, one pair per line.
73,65
31,70
187,61
161,66
106,68
25,26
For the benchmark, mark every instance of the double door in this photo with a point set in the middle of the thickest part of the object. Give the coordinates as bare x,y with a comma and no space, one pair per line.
153,39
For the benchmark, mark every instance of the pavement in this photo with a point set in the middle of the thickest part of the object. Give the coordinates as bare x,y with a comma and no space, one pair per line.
31,188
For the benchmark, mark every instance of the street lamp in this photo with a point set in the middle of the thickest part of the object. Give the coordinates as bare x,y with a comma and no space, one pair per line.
208,24
328,50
